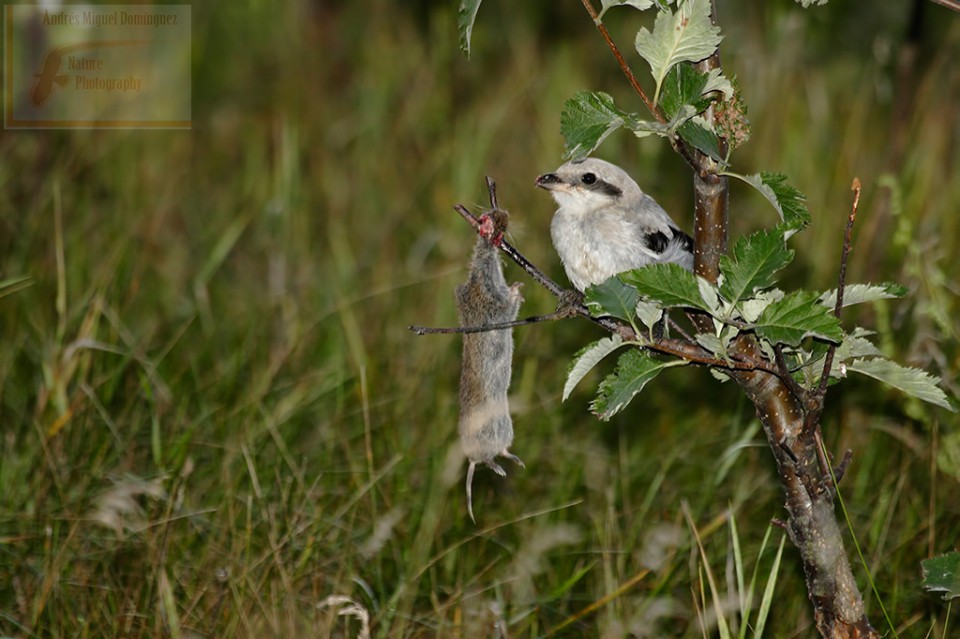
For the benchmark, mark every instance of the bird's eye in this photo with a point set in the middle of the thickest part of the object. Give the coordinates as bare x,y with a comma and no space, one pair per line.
588,178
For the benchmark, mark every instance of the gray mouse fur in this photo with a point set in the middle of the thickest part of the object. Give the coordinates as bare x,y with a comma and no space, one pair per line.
486,430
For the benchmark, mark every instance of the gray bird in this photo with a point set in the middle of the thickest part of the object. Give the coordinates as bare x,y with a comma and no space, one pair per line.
606,225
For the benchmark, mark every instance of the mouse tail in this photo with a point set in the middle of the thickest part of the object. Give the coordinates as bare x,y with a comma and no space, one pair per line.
470,469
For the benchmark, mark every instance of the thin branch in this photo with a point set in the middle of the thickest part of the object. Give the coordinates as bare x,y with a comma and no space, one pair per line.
632,79
486,328
679,146
798,391
811,421
679,329
841,284
492,190
841,469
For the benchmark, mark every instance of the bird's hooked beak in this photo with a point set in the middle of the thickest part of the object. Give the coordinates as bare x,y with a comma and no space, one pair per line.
549,181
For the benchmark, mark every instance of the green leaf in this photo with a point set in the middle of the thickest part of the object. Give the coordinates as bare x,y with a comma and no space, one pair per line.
586,121
912,381
648,313
751,308
713,343
685,36
708,292
942,574
590,116
860,293
588,357
613,298
854,346
669,284
704,140
634,369
716,81
787,200
751,264
685,85
466,16
795,317
641,5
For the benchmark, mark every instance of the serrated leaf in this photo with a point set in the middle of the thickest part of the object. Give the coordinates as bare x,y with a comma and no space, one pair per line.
704,140
912,381
787,200
649,314
685,85
790,201
589,117
708,292
716,81
685,36
613,298
942,574
669,284
641,5
588,357
466,16
634,369
854,346
750,309
751,264
860,293
586,121
795,317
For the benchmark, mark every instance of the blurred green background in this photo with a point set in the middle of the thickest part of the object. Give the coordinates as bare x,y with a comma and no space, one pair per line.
213,417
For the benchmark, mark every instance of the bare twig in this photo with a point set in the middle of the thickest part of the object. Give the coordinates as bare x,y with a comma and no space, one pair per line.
798,391
812,419
841,469
841,283
447,330
492,190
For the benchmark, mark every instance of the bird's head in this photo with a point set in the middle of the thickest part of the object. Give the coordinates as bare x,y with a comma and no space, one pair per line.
589,184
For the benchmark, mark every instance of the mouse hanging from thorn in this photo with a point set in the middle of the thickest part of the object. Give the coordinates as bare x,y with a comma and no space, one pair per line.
486,430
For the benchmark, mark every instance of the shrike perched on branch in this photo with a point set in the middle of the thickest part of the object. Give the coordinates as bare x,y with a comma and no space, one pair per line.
606,225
